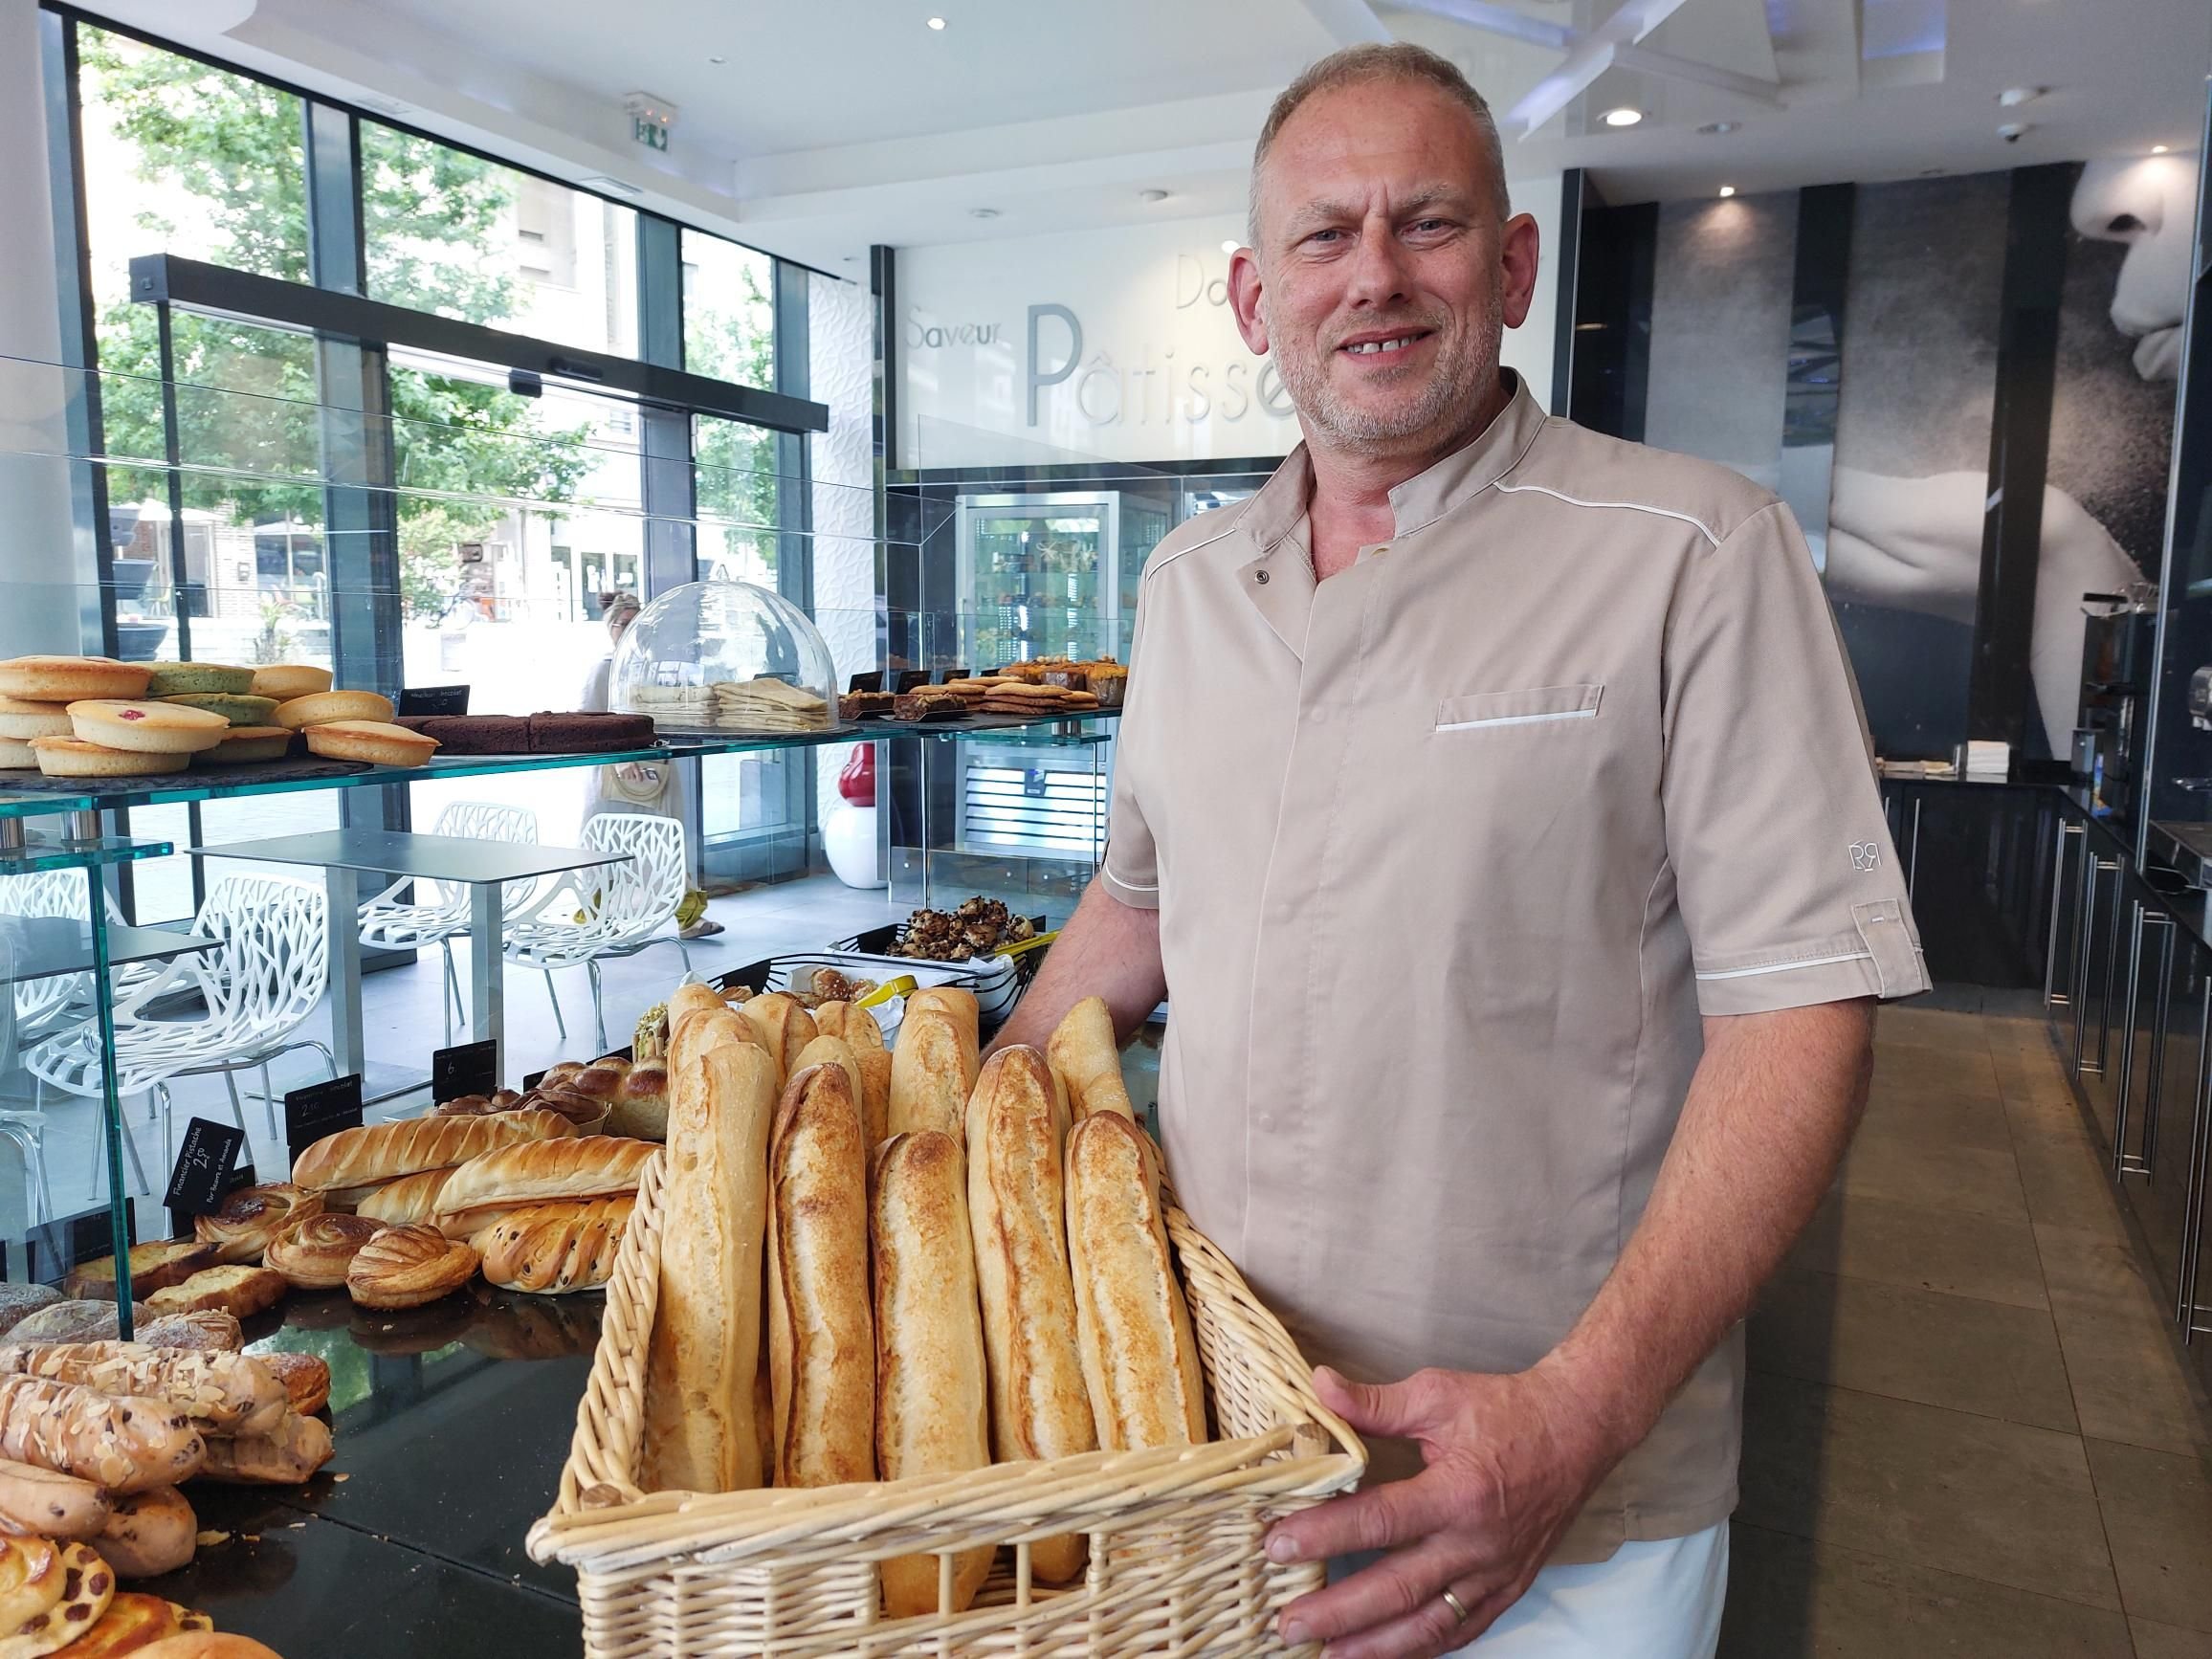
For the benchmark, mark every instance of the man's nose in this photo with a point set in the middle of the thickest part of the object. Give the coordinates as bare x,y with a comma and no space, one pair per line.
1380,271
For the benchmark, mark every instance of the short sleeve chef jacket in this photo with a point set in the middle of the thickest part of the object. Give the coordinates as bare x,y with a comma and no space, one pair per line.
1452,852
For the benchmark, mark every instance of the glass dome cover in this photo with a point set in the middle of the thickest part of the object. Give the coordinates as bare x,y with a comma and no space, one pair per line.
716,657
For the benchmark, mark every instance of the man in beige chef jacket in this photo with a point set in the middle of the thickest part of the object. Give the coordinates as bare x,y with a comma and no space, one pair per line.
1492,800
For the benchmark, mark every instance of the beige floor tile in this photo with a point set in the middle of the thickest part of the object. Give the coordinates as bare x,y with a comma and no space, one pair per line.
1967,1072
1931,1250
1938,1118
2156,1641
1898,1170
1915,1344
1896,1026
2157,1511
1945,1489
2129,1384
1792,1598
2066,1181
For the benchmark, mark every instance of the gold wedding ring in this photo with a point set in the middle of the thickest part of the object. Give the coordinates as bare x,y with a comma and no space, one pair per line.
1458,1606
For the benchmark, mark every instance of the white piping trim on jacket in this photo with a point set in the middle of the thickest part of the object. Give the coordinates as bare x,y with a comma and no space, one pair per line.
1106,870
1520,720
1236,518
1782,967
1629,506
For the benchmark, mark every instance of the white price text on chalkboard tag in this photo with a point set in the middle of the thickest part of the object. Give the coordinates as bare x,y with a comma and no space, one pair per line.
321,1109
465,1068
201,1176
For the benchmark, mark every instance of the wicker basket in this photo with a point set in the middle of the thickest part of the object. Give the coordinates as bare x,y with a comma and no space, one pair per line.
1176,1565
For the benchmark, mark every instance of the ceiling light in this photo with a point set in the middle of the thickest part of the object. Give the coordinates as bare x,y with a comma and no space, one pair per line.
936,23
1626,116
1715,128
2012,96
983,213
1231,246
714,59
1152,196
2157,150
1726,191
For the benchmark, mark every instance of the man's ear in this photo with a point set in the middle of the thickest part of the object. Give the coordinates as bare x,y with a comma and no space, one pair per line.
1517,258
1243,298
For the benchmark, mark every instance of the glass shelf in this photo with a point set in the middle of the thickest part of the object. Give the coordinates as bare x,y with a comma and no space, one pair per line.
53,853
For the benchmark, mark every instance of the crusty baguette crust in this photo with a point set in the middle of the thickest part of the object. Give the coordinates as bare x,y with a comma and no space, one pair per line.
959,1005
931,1389
379,1152
785,1027
410,1201
1088,1061
1040,1407
932,1075
851,1024
549,1250
705,1350
821,1337
1139,1357
46,1503
540,1171
225,1391
124,1443
825,1051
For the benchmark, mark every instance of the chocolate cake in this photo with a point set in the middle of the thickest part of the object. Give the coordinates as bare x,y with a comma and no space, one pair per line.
582,733
472,734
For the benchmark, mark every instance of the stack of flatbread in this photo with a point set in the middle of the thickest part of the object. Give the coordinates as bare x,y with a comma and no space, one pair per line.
675,706
1037,701
768,705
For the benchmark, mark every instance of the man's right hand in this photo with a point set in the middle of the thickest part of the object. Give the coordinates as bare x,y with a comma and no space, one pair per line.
1106,949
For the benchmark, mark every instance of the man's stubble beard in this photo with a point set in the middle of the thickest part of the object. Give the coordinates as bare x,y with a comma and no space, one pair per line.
1466,367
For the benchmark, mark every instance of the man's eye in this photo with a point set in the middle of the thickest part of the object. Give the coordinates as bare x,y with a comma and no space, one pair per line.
1325,236
1428,224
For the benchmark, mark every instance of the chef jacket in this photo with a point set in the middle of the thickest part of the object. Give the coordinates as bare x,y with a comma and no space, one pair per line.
1450,852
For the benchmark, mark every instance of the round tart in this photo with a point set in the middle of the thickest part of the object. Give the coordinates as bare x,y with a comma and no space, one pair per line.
61,680
320,708
289,679
252,1216
404,1267
170,679
373,740
22,721
74,758
312,1251
18,757
243,745
147,728
238,710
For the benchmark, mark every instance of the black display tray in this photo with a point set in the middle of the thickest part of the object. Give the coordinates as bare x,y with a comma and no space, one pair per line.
34,783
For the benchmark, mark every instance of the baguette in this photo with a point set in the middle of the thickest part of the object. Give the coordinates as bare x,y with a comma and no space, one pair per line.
286,1456
827,1050
705,1348
225,1391
850,1024
123,1443
380,1152
552,1249
44,1503
536,1172
410,1201
933,1072
957,1005
933,1400
1087,1061
1040,1407
821,1341
786,1029
1139,1359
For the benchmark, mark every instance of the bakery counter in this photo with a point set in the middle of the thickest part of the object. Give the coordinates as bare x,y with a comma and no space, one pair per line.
451,1423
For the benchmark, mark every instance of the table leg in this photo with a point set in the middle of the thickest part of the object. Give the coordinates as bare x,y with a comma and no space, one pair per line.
487,969
341,890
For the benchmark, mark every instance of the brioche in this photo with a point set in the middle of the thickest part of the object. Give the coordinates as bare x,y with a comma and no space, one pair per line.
50,1592
406,1267
250,1217
49,1504
538,1172
933,1072
821,1341
124,1443
149,1533
1040,1407
640,1107
932,1398
705,1351
1087,1061
314,1251
553,1249
379,1152
410,1201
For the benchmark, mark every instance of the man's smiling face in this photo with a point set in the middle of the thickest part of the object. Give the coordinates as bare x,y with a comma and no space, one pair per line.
1383,286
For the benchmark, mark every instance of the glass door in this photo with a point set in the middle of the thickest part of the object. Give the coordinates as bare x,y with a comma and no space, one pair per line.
1039,575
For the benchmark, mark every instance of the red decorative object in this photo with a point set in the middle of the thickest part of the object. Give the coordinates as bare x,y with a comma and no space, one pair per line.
856,782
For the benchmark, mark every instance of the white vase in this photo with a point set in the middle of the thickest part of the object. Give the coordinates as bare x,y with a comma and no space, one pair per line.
849,841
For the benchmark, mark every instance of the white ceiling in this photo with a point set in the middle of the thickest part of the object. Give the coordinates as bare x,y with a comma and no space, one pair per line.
835,123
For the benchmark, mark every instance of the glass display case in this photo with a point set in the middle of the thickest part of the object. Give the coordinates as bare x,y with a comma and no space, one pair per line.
716,657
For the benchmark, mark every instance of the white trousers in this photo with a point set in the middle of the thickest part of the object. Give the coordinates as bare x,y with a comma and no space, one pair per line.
1651,1600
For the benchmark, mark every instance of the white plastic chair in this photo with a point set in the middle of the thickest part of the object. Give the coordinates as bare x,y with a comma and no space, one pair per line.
623,905
440,910
259,985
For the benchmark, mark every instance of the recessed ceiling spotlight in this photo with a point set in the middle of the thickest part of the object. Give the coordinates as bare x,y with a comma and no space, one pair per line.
1152,196
1231,246
983,213
936,23
1717,128
2013,96
711,59
1726,191
1626,116
2157,150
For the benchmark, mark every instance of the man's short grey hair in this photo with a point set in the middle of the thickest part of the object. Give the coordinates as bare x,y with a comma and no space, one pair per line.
1382,60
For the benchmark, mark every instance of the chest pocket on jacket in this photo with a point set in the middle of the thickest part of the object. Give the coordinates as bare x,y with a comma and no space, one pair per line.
1534,706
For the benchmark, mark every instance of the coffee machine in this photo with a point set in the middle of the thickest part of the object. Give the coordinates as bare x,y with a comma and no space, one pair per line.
2119,646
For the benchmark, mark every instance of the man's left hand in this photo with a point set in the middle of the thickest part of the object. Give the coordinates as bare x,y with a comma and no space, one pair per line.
1510,1460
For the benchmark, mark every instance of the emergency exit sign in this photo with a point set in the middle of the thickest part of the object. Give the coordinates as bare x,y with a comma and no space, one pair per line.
649,133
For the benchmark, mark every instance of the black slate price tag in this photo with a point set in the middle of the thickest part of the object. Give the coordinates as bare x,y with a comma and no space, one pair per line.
60,1244
531,1079
321,1109
181,1220
870,681
435,699
953,674
201,1175
465,1068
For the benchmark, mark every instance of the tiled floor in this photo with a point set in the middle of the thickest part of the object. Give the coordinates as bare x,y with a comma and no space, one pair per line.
1966,1431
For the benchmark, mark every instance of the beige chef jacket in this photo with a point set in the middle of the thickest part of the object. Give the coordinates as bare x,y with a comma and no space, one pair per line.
1450,852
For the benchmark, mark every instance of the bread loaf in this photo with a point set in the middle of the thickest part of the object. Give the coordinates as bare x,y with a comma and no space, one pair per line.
1040,1407
821,1341
932,1397
1087,1060
45,1503
706,1332
149,1533
785,1025
386,1151
538,1172
856,1029
932,1073
640,1108
154,1266
1139,1359
549,1250
958,1006
124,1443
295,1450
206,1331
410,1201
240,1289
224,1391
849,1024
835,1052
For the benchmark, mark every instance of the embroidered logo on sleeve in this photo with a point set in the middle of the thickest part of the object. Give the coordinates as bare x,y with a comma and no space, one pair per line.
1866,855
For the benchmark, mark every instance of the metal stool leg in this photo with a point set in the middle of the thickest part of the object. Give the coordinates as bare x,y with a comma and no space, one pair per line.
598,1003
268,1101
554,997
237,1111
